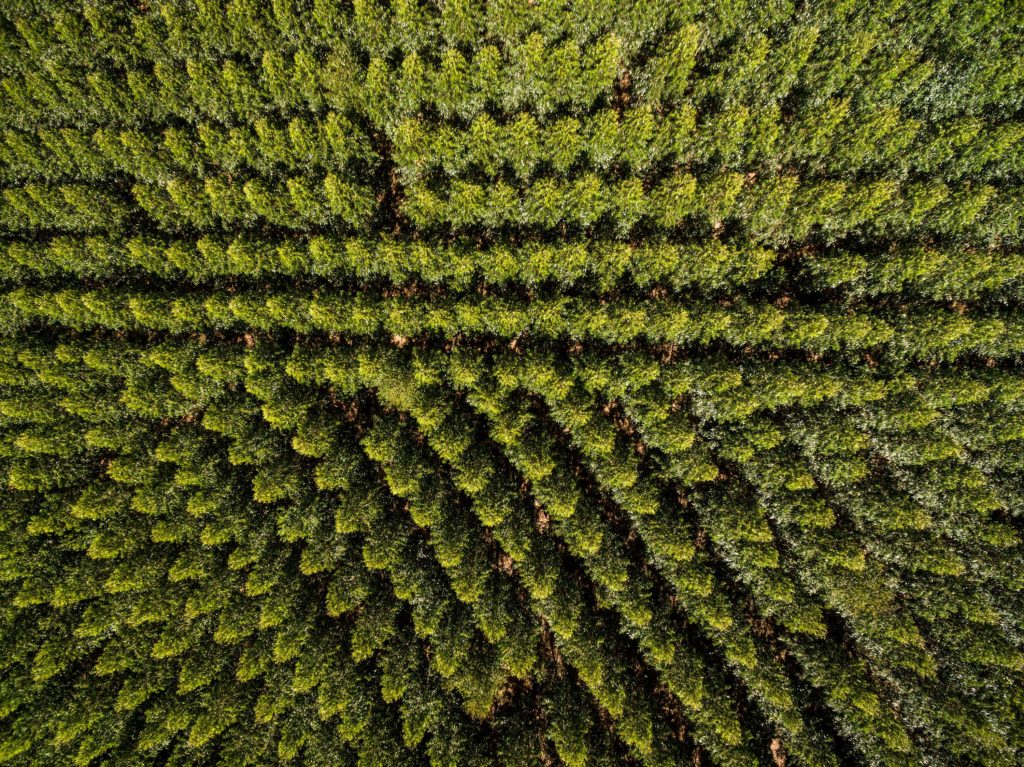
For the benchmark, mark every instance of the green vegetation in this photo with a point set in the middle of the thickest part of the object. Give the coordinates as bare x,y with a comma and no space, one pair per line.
450,383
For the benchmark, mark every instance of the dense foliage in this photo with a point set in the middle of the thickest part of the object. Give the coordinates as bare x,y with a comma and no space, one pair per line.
521,382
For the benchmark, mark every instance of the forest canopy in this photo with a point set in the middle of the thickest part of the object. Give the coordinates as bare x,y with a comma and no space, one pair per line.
452,383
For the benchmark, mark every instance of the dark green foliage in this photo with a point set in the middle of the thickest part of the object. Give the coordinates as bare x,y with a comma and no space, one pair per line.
407,383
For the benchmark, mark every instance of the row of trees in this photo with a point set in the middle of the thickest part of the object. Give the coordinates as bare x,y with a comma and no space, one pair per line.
298,202
776,212
928,332
922,272
779,211
707,266
266,148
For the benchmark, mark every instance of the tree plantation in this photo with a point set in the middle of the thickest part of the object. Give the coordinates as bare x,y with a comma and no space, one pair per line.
555,383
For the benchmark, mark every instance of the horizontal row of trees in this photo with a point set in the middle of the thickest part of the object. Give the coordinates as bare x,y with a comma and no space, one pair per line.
780,211
928,332
920,271
265,148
